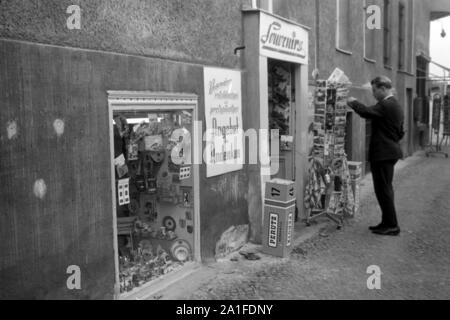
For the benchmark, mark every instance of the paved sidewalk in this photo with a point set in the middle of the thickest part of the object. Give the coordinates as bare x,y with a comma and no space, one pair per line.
333,265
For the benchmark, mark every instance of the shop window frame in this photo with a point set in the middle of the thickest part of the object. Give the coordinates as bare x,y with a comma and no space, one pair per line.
339,47
402,36
365,38
387,35
156,101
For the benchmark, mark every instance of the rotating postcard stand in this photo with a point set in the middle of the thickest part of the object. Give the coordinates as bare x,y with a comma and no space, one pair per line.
327,188
439,106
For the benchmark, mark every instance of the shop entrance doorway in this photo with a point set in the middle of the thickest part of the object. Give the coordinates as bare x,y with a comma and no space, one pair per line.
281,83
155,188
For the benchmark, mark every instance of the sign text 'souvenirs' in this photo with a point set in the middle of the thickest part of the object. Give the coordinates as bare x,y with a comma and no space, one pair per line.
284,42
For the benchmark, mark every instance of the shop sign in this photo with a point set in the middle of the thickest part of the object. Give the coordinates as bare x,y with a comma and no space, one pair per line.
282,40
223,113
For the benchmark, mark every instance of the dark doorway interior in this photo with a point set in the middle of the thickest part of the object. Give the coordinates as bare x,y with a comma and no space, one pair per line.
281,90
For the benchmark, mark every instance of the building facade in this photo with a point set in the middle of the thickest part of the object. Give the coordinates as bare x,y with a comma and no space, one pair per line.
60,88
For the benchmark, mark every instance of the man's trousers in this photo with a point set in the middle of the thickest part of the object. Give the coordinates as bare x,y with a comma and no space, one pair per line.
383,174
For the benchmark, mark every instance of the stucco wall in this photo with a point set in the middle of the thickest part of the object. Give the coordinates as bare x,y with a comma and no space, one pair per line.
73,223
203,31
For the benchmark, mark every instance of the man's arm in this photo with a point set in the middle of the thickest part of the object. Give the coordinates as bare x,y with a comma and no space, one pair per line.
366,112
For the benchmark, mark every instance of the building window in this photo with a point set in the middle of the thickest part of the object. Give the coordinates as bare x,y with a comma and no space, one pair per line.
410,37
387,34
370,35
343,26
401,36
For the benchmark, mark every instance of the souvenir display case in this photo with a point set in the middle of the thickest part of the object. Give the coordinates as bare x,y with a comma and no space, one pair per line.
154,188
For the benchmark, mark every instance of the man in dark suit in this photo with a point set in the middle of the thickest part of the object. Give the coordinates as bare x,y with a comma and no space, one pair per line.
384,151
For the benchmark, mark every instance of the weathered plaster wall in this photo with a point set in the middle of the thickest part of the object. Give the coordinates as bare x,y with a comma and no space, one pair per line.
72,224
204,31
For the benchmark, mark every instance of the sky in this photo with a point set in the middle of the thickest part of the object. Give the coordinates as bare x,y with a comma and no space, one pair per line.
440,47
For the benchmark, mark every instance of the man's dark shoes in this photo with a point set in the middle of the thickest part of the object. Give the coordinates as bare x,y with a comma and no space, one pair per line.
380,226
387,231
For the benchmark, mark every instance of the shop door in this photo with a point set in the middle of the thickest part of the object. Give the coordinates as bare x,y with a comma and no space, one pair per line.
154,186
281,76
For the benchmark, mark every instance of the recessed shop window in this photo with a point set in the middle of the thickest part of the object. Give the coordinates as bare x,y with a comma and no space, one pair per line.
154,185
343,26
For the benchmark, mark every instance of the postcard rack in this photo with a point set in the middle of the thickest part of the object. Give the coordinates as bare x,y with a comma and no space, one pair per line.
326,191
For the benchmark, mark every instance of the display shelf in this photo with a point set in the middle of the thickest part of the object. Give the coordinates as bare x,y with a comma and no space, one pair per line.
149,290
159,195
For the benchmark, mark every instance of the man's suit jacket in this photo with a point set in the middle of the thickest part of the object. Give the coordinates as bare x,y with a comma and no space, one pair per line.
387,128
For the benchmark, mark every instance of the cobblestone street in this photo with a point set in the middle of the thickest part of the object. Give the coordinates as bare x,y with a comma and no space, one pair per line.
414,265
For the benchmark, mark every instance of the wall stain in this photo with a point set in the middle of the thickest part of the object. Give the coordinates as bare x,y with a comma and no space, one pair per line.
12,130
228,187
40,189
58,125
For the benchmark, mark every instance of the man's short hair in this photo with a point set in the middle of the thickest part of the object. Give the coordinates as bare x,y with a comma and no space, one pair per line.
382,82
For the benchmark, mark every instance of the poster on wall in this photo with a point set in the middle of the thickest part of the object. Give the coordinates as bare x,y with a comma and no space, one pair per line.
223,113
